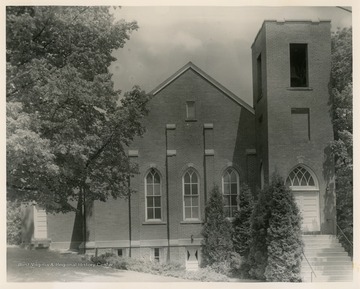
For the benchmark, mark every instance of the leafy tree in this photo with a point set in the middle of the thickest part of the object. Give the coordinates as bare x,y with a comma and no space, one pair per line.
342,116
67,128
284,240
217,231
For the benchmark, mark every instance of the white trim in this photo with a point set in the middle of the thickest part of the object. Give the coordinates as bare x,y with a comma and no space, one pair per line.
300,190
304,188
133,153
145,190
171,153
209,152
237,183
170,126
198,194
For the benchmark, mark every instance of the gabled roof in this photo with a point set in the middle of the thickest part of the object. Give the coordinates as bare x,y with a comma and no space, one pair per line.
208,78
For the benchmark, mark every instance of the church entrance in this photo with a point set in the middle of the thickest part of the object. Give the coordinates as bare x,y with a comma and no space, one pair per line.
304,186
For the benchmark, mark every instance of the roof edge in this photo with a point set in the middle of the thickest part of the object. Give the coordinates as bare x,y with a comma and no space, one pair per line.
283,21
211,80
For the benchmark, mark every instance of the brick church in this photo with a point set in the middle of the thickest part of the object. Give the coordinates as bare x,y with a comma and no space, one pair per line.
199,134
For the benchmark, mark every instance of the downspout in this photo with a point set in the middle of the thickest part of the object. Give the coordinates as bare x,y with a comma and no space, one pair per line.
167,196
204,165
129,203
84,217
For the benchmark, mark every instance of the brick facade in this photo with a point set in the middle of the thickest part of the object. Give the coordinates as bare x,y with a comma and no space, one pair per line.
225,132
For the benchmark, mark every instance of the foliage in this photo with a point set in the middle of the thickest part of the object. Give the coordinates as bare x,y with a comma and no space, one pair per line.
342,118
169,269
242,221
242,228
66,125
276,245
256,261
216,232
283,236
13,223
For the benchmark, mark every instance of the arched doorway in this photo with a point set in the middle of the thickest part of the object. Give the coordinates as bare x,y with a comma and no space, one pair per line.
305,187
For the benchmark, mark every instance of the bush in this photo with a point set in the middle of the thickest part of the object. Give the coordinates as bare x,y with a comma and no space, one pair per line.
206,274
284,236
217,231
242,221
170,269
13,223
256,262
276,245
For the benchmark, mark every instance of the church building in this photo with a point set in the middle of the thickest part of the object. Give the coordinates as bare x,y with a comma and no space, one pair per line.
199,134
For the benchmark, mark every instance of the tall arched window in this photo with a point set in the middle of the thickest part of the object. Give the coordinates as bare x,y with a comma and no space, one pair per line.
191,195
153,195
230,185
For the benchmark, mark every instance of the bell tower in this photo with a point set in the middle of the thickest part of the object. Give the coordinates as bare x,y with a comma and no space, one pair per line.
291,74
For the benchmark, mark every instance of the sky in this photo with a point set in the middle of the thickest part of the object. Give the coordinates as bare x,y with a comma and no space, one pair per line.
216,39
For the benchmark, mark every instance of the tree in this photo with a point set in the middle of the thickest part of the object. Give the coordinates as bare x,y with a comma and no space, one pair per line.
217,231
67,128
242,225
13,223
258,254
284,240
342,116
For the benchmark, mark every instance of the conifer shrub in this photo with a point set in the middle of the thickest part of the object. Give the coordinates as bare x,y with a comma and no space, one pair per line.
284,251
217,232
256,260
242,230
276,245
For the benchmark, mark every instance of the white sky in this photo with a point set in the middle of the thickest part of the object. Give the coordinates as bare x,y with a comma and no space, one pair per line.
217,39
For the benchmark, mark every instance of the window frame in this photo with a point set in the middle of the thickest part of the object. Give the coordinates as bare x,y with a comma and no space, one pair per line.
237,190
315,187
191,195
156,257
306,50
154,219
190,118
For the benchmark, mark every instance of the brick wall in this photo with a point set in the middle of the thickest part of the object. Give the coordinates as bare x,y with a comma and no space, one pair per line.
284,151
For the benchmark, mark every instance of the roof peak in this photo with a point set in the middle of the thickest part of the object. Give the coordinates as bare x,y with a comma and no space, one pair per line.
196,69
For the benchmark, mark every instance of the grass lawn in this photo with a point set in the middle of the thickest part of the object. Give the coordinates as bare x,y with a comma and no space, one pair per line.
50,266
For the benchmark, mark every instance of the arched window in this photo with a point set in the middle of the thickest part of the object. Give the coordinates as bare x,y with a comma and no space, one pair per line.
191,195
301,178
230,185
153,195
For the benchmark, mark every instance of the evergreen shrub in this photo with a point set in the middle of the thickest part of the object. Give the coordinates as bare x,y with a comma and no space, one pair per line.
283,236
217,232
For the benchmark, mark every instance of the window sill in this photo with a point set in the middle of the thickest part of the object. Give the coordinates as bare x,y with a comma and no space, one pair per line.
191,222
300,88
154,223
